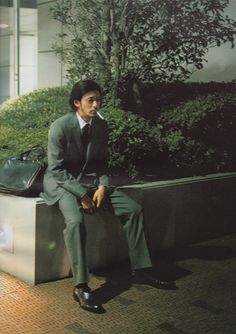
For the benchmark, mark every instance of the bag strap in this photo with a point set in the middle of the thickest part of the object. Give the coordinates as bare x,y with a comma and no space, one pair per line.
36,153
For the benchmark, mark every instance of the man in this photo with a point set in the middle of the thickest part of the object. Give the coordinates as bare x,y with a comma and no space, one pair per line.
77,179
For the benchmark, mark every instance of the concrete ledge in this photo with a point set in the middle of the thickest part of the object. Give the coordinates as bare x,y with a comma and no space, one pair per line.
37,253
189,210
176,212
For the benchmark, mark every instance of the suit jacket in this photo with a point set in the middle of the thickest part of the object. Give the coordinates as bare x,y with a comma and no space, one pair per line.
65,157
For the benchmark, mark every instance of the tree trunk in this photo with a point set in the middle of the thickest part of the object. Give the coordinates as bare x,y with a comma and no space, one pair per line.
137,99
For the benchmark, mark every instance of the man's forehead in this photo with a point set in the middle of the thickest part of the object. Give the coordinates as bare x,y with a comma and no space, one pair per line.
92,94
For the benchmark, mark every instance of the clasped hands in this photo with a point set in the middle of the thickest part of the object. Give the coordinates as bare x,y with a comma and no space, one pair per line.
91,204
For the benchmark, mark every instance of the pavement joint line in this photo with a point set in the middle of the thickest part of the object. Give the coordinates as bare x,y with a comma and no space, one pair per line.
203,305
142,288
77,328
8,293
124,301
168,327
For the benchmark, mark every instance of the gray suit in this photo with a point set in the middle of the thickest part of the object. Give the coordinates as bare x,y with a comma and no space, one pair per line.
63,183
65,158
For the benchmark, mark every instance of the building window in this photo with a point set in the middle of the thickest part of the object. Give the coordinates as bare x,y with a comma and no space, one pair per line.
18,47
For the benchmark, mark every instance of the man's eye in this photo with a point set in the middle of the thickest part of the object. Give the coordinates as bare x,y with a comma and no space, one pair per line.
92,100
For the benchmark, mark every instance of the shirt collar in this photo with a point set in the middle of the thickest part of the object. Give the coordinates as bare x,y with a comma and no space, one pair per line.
82,122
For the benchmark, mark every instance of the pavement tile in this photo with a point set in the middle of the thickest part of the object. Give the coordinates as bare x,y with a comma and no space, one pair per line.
204,304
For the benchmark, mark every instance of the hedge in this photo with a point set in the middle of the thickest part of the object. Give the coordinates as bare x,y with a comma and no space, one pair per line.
192,138
157,98
199,136
25,121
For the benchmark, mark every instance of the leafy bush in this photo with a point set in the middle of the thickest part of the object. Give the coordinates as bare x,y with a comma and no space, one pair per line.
199,135
14,141
26,119
158,97
196,137
35,110
133,143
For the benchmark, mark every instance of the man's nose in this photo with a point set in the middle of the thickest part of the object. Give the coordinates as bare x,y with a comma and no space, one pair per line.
95,104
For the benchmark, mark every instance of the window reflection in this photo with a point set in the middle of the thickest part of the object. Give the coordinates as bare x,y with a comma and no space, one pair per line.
17,47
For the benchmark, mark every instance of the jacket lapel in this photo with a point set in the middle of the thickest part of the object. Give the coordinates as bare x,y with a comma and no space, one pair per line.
76,133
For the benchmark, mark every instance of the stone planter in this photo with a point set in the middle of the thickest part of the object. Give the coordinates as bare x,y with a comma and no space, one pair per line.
177,212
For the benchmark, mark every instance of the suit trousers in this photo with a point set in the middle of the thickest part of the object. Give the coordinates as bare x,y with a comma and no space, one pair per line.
131,217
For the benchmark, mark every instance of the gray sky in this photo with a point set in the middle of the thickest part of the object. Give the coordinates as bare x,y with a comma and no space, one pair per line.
221,64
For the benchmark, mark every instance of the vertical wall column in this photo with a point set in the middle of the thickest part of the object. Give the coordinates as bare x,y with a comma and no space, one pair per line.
50,71
16,47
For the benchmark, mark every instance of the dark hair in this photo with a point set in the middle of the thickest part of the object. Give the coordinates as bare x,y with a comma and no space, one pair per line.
81,88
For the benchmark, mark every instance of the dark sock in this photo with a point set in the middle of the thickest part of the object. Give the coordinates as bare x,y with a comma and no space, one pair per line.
82,286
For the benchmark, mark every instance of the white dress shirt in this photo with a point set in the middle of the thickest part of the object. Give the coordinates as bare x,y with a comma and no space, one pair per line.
82,122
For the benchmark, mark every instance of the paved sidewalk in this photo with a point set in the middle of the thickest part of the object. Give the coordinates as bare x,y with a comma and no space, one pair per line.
204,303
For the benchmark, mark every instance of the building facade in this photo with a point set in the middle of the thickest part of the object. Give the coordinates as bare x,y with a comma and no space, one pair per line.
27,61
50,71
18,47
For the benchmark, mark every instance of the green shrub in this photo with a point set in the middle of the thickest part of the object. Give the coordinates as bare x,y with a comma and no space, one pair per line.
26,119
196,137
133,143
160,96
199,135
37,109
15,141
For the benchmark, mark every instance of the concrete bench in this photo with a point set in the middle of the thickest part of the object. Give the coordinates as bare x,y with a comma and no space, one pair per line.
177,212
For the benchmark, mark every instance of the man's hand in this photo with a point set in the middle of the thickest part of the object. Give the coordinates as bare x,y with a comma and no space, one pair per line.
87,204
99,196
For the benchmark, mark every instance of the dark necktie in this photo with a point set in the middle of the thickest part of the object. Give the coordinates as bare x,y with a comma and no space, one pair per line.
85,139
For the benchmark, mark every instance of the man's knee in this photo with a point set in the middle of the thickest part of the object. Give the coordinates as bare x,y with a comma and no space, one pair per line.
71,211
74,220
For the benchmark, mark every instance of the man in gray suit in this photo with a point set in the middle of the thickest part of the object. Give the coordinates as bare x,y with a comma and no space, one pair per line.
77,179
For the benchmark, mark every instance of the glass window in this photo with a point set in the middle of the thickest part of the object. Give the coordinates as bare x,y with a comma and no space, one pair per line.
18,47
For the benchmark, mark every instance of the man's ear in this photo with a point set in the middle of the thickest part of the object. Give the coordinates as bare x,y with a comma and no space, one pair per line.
77,103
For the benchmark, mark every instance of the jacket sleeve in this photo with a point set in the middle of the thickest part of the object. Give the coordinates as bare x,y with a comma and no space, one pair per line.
56,161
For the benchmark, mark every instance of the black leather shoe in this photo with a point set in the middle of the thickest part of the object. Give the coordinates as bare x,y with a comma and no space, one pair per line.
84,297
141,277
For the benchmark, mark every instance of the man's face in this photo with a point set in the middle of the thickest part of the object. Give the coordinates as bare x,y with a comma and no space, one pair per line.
89,105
